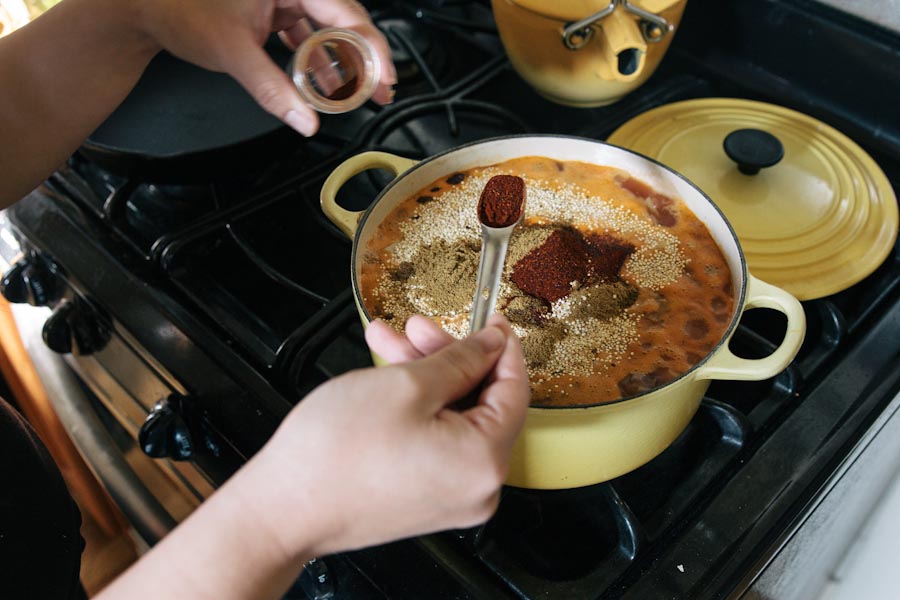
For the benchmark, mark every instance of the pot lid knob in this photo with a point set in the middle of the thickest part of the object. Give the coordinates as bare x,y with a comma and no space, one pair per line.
753,149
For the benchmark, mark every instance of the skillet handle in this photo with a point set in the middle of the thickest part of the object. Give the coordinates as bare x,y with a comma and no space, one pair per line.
725,365
347,220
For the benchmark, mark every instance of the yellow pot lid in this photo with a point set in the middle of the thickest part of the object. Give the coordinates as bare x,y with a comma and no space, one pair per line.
817,221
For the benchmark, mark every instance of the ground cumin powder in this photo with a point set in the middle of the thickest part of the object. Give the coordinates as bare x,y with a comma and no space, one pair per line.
439,280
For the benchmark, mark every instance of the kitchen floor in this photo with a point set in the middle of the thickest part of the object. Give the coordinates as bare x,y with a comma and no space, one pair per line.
105,556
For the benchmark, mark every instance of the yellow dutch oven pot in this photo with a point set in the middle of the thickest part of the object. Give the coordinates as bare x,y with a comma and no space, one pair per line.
565,447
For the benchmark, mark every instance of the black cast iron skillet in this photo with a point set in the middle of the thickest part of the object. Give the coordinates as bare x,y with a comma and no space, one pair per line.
182,123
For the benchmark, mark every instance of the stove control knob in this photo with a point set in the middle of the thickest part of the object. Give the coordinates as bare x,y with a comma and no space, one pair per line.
33,279
75,327
315,583
165,433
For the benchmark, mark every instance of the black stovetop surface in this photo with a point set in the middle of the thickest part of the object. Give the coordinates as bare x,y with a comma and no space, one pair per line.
252,282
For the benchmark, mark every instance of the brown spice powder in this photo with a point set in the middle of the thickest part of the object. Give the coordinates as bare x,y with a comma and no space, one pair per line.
526,310
540,342
603,301
439,280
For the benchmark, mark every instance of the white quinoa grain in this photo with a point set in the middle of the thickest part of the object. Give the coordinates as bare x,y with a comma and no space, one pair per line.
588,344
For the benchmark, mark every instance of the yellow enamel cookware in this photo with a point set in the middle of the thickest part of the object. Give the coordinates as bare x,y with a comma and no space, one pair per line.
818,219
586,52
576,446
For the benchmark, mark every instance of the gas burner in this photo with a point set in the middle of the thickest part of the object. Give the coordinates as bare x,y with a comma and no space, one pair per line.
428,129
153,210
535,532
433,127
421,63
139,212
101,181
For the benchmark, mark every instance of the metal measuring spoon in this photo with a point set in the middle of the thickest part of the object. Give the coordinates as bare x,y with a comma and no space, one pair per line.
500,208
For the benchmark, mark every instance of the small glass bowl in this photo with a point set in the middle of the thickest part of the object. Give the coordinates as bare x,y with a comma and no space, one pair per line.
335,70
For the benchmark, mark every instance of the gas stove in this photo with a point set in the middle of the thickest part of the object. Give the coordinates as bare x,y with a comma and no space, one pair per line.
212,298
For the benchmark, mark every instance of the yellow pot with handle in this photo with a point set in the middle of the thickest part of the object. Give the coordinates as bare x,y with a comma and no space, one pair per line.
565,447
586,52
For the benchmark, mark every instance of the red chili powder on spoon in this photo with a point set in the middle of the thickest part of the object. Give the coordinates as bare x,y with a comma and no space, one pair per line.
501,201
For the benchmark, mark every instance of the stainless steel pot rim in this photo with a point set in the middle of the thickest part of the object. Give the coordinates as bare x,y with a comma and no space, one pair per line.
739,300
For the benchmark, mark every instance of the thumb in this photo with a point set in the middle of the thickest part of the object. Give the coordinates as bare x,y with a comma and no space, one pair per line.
452,372
271,87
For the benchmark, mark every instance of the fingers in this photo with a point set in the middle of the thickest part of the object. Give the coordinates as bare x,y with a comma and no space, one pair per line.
286,14
388,344
453,371
500,414
270,86
423,337
512,362
294,35
352,15
426,336
384,91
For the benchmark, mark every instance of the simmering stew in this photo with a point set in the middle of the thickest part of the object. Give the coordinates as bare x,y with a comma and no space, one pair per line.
613,288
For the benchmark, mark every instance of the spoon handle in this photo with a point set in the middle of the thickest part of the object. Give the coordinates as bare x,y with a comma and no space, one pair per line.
490,268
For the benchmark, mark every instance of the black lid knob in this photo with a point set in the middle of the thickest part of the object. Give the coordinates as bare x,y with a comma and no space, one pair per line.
753,149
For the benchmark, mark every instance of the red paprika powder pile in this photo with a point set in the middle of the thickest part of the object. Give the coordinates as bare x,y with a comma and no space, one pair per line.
608,254
501,201
566,261
549,270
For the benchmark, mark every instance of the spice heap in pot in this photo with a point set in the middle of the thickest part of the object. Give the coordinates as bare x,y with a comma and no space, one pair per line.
613,288
501,201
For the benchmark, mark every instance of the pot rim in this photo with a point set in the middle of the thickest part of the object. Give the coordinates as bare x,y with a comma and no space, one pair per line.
739,300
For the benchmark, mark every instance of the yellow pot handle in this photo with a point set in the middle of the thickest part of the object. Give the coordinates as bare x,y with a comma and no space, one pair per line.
725,365
347,220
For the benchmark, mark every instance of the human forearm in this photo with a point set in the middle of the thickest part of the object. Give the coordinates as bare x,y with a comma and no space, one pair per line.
222,550
369,457
61,76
